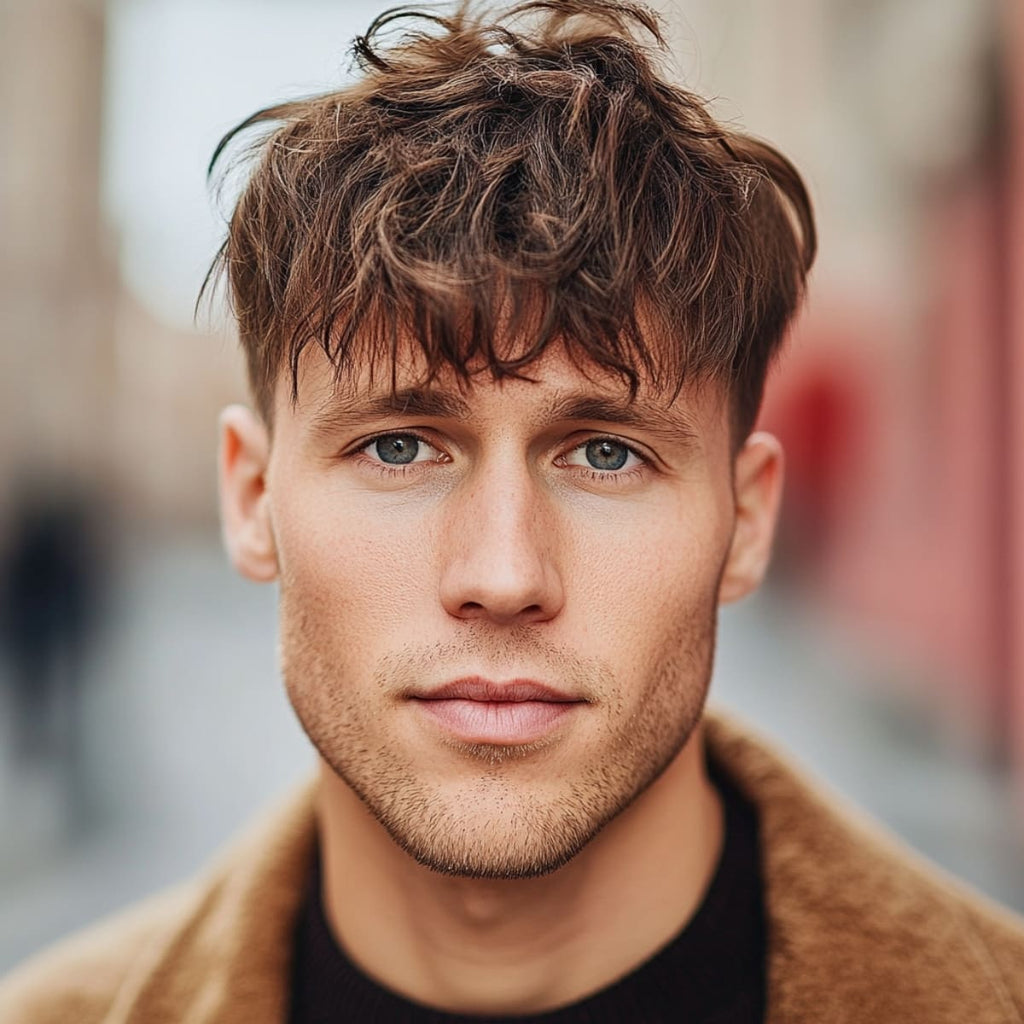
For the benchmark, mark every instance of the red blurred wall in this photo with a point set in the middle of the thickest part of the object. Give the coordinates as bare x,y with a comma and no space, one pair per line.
905,436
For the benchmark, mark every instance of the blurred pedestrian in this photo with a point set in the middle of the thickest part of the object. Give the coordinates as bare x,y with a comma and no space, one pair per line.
51,596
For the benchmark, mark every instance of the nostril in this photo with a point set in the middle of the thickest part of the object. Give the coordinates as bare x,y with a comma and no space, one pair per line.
474,609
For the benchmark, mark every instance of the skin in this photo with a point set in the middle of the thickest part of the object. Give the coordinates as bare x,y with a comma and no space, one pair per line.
503,877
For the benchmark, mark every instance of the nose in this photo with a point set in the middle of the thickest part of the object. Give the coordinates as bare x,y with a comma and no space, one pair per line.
500,562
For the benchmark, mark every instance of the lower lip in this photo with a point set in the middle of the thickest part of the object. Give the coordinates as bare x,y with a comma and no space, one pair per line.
500,722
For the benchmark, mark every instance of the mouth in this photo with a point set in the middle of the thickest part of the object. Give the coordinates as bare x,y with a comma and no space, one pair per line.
482,711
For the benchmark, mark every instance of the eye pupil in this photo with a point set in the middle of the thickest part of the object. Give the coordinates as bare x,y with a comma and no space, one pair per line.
607,454
397,449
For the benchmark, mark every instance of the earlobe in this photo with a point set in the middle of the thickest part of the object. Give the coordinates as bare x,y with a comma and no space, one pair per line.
758,472
244,501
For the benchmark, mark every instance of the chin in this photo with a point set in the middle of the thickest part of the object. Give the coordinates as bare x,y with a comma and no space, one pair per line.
495,852
497,826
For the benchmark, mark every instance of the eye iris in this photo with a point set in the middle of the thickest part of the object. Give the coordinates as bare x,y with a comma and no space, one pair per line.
607,454
398,449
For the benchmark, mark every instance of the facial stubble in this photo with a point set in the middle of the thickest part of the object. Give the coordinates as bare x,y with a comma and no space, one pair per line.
493,822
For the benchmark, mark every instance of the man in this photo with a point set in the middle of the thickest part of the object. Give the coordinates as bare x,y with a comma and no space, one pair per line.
507,304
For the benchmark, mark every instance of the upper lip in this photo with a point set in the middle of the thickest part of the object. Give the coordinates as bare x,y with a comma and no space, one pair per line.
509,691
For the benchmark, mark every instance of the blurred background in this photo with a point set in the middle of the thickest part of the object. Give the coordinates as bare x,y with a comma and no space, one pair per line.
141,718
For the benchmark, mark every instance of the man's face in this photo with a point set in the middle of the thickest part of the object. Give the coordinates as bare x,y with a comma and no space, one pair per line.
498,604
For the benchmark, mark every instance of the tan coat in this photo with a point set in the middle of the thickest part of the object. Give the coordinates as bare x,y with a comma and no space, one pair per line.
860,929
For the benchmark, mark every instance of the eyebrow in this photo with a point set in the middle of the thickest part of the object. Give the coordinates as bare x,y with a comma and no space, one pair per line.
429,402
671,425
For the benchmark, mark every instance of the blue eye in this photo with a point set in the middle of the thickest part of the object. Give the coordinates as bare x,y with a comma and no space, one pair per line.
396,449
606,454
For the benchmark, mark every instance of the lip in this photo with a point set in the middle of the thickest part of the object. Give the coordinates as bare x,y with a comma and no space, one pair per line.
512,691
477,710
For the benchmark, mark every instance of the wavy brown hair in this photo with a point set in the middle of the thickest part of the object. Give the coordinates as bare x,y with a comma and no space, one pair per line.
494,181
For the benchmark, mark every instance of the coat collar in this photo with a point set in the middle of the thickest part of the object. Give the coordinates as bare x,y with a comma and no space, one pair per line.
859,928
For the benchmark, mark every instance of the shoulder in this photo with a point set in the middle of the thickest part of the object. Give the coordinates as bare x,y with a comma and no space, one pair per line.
79,978
856,918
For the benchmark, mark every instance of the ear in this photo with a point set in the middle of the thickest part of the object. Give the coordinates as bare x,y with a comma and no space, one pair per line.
757,490
244,502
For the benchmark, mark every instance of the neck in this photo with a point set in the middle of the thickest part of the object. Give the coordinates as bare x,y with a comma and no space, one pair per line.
528,945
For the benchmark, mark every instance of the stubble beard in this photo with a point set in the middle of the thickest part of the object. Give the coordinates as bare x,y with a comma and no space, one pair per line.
496,826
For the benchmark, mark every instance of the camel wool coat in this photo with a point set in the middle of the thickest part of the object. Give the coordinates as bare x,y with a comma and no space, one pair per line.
859,928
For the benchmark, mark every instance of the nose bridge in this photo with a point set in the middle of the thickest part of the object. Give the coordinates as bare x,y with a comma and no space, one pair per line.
501,555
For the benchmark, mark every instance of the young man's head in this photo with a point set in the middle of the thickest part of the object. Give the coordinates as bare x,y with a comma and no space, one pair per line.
507,303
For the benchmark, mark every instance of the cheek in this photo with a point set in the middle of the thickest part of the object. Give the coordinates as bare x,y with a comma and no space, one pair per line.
345,559
682,537
349,584
642,577
352,584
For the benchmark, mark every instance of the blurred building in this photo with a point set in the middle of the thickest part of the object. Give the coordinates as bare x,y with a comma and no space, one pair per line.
57,267
97,393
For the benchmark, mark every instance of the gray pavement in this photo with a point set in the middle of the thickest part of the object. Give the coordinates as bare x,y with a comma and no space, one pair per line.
186,733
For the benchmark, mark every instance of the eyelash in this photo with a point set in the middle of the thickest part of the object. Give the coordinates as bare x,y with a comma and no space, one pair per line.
607,477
